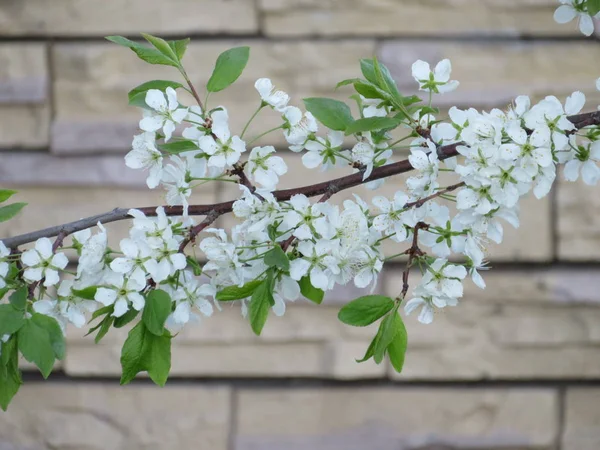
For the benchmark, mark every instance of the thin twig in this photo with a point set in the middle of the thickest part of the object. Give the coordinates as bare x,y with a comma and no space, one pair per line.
195,231
413,252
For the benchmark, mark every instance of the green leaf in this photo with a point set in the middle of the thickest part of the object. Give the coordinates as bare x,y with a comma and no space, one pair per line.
156,311
150,55
19,298
370,351
36,347
3,292
179,47
195,265
104,328
144,351
369,90
126,318
11,319
162,46
229,66
10,375
88,294
9,211
372,124
365,310
312,293
5,194
276,257
332,113
139,93
100,312
8,348
178,146
57,338
387,332
237,293
260,303
347,82
397,348
593,7
380,75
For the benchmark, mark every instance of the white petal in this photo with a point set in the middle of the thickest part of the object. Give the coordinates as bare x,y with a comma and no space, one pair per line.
120,308
590,173
30,257
298,268
571,170
442,70
105,296
564,14
156,100
420,70
44,247
586,24
575,102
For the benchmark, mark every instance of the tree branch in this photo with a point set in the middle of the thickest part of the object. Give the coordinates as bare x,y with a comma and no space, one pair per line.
338,184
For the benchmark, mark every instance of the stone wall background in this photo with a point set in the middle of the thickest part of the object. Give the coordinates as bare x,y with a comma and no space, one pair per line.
516,366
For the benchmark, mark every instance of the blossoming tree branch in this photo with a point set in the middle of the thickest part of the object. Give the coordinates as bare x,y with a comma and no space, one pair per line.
289,243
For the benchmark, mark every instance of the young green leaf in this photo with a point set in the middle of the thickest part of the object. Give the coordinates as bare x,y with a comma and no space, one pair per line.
387,332
260,303
10,375
9,211
11,319
369,90
162,46
276,257
104,327
365,310
156,311
18,299
150,55
144,351
178,146
397,348
126,318
3,292
372,124
593,7
347,82
57,338
102,311
36,346
228,68
5,194
88,294
312,293
331,113
237,293
179,47
370,351
194,264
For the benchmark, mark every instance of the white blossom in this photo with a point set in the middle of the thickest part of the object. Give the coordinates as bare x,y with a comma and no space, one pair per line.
265,168
571,9
165,113
277,99
438,80
42,263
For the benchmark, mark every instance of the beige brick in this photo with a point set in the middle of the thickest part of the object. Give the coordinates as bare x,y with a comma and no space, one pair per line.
102,74
24,126
56,205
112,417
386,418
524,325
306,341
578,221
87,17
407,17
23,73
582,419
492,74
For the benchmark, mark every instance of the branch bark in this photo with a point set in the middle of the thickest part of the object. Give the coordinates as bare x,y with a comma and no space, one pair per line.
338,184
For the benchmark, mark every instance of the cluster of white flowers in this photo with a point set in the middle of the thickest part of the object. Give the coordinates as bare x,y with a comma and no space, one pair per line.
503,155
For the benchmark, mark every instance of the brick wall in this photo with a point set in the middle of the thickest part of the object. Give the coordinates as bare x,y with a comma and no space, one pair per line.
516,366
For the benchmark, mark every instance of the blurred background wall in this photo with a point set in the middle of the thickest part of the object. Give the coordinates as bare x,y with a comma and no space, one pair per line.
516,366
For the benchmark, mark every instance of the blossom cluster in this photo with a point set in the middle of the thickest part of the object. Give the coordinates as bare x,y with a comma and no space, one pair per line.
287,246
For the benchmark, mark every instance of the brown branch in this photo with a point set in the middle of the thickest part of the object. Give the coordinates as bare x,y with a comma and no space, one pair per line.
195,231
342,183
413,252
